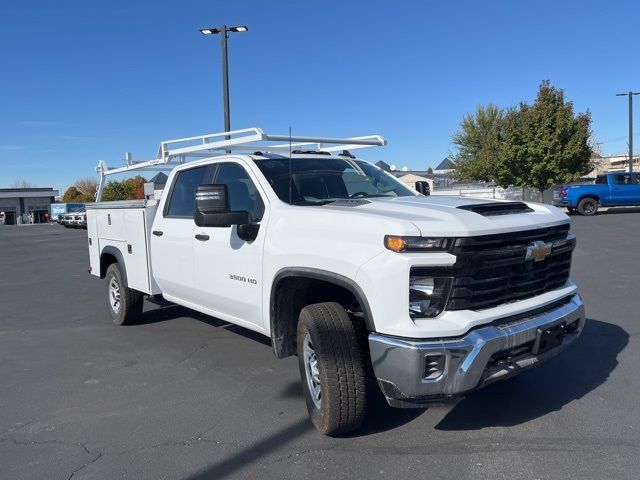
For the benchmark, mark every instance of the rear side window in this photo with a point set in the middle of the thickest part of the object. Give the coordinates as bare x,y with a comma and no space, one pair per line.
182,201
601,180
625,179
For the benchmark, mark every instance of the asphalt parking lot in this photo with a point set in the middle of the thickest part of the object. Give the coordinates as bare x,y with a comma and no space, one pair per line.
184,396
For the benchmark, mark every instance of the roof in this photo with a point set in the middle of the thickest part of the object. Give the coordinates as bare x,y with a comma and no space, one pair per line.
159,179
28,192
446,164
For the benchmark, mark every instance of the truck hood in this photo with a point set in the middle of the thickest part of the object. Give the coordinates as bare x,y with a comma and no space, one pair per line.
443,216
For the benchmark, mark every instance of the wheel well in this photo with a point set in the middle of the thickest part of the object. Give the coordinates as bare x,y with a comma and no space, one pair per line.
595,197
291,294
106,259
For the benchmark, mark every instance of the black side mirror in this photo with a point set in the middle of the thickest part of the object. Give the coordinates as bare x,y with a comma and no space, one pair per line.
212,208
423,187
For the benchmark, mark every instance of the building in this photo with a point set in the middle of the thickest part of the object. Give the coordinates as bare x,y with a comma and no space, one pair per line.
26,205
613,164
446,167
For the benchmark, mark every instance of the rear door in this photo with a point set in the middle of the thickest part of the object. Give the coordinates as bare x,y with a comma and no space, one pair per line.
171,234
625,189
228,270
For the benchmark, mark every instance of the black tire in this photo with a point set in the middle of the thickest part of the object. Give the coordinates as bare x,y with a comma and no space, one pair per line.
128,307
333,339
588,206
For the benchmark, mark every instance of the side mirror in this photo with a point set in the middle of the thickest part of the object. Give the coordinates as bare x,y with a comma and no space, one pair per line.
212,208
423,187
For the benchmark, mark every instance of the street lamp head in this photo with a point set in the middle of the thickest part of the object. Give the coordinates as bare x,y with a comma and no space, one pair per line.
209,31
239,28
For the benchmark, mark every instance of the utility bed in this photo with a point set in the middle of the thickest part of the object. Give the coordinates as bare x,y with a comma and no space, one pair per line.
123,228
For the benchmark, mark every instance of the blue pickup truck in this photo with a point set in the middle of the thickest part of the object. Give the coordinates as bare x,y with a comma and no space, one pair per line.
610,190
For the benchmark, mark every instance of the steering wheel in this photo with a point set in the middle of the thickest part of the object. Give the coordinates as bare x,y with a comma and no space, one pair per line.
359,195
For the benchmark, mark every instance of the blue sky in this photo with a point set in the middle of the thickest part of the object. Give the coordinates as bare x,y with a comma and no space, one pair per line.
82,81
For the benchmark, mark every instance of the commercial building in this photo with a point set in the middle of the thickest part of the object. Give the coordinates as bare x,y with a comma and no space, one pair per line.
26,205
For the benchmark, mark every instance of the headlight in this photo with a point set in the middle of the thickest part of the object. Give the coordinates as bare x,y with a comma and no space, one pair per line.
428,295
417,244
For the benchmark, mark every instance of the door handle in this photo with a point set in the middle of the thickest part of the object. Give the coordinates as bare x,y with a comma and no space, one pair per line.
202,237
157,233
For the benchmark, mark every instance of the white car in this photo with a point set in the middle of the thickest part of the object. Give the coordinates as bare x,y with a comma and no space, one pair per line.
338,262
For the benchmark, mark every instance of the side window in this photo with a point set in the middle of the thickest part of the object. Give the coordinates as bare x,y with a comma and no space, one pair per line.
625,179
601,180
182,201
243,194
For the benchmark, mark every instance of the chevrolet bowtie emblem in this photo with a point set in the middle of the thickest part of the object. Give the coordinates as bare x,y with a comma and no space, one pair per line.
538,251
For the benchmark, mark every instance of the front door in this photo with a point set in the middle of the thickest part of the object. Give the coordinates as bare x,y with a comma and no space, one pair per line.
172,232
625,189
228,270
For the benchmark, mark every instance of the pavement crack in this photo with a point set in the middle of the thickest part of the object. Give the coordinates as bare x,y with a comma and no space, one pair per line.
95,459
194,352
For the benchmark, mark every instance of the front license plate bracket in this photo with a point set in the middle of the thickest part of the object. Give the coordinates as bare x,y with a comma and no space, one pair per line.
549,338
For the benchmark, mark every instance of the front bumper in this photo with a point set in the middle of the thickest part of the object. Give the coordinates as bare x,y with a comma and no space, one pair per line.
422,372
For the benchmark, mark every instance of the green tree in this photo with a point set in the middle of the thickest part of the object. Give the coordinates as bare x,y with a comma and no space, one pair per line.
129,189
536,145
72,195
478,142
545,143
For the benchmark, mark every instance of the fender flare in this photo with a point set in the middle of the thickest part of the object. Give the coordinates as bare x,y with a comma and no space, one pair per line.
111,250
327,276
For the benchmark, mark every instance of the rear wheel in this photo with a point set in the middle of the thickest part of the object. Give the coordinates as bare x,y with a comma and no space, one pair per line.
332,368
124,303
588,206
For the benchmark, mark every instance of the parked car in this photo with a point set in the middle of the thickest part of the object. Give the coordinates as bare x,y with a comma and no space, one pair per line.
610,190
67,218
341,264
79,220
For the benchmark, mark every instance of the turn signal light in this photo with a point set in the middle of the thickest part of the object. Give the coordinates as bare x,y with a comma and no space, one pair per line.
417,244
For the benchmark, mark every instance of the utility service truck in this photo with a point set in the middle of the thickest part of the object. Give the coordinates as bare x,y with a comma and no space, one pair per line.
344,266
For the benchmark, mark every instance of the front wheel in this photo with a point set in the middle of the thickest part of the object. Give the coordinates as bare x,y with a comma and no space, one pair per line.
124,303
588,206
332,368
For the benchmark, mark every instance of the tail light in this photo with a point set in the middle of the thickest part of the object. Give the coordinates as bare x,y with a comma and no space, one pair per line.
563,192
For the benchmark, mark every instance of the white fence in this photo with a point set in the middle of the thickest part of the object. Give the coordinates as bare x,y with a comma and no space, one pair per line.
490,192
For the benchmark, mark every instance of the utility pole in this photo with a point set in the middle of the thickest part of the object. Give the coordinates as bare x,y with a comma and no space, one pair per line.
630,94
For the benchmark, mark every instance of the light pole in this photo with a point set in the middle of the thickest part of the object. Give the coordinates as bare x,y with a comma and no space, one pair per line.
630,95
224,31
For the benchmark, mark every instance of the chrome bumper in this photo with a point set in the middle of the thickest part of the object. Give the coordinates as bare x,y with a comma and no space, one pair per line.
419,373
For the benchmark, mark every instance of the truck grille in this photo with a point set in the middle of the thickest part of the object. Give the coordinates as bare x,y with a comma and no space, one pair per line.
491,270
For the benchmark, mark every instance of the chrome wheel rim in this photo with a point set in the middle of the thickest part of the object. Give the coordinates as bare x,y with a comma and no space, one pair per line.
114,295
312,371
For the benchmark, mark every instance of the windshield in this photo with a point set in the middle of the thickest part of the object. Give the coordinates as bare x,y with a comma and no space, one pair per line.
316,181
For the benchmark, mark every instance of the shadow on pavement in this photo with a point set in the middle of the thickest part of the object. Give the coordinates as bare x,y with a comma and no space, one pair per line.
252,454
546,388
169,311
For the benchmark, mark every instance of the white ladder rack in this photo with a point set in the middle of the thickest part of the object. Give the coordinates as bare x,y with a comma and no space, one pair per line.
181,150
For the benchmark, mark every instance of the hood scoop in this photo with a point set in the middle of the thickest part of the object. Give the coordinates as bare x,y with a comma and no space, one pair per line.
347,202
492,209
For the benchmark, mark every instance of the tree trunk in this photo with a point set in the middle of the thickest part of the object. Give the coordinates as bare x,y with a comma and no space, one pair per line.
541,195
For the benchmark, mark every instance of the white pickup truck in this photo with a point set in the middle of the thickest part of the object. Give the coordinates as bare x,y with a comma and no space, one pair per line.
344,266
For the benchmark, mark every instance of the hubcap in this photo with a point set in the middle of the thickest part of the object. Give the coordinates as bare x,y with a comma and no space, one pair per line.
311,370
114,295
